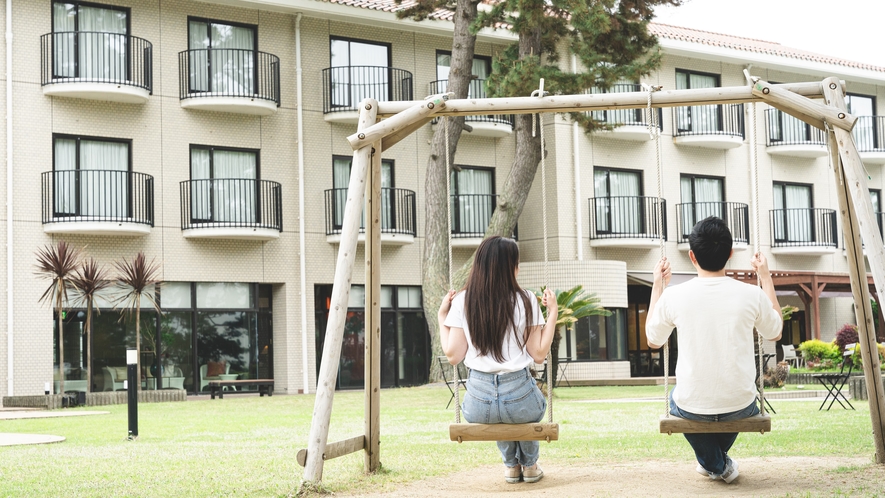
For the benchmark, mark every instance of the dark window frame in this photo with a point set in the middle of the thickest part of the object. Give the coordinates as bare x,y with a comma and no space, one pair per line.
784,223
77,5
209,22
717,77
77,139
212,149
608,190
391,193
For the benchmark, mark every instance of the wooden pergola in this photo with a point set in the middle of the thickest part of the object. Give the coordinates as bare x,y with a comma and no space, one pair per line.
809,286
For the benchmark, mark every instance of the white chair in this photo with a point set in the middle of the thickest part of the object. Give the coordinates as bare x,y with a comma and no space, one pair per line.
790,355
113,378
204,380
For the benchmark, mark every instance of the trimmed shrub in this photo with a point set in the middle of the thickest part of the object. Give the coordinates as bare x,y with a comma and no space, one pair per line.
818,351
846,335
858,360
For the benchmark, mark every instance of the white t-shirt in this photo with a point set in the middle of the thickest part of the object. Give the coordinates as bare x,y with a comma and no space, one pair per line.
515,357
715,317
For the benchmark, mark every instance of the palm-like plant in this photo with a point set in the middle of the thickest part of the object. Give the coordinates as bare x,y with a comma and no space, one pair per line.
90,279
574,304
134,280
58,264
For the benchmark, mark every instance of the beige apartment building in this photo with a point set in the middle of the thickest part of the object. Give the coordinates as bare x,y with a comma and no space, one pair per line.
211,136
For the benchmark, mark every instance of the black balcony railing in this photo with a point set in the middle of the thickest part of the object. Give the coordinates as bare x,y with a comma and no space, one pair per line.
784,129
229,72
345,87
869,133
471,214
398,210
735,214
622,117
231,202
93,57
97,195
623,217
722,119
477,90
803,227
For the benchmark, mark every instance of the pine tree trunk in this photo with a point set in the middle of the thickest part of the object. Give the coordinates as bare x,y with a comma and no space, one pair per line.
435,279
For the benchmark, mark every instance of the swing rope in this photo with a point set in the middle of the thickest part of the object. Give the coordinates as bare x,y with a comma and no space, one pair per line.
754,173
540,127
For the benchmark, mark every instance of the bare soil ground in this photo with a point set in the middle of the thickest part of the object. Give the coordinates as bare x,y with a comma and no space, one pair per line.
786,477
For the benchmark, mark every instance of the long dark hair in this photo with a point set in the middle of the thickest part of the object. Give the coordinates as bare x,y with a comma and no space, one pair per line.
491,294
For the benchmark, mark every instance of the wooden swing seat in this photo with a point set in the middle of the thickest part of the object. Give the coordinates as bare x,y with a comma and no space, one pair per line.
756,423
504,432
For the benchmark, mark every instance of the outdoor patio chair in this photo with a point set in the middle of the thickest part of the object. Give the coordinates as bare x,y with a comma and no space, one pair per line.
446,369
790,355
834,382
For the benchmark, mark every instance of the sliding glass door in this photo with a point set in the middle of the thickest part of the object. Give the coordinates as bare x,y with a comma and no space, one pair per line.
222,57
91,177
90,41
224,186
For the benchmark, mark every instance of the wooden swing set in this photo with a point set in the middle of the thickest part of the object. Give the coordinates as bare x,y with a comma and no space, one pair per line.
403,118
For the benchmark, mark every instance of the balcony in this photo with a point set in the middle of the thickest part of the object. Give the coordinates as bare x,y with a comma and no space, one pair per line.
709,126
345,87
113,67
627,221
398,219
788,136
627,124
471,215
803,231
231,208
735,214
240,81
869,136
97,202
491,125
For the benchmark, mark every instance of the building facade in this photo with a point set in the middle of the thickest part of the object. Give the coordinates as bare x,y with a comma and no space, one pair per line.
211,137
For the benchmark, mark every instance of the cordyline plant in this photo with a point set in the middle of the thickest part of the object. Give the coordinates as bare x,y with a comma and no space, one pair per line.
88,280
133,281
58,263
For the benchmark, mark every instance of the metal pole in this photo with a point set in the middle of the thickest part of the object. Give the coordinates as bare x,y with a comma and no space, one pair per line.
132,380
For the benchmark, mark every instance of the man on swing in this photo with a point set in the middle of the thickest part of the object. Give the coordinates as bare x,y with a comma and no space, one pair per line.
715,316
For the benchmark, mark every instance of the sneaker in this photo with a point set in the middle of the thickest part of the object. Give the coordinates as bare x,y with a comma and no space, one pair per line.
513,474
702,471
532,474
731,470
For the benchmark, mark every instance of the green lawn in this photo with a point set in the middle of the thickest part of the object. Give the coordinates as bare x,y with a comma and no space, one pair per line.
224,447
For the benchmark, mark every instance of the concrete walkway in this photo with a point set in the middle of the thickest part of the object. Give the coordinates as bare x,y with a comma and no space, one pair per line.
15,439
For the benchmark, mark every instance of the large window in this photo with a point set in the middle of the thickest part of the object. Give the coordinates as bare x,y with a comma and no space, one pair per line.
91,176
224,186
480,71
697,118
222,57
473,199
619,207
793,213
703,197
597,338
365,71
405,342
341,166
866,131
90,41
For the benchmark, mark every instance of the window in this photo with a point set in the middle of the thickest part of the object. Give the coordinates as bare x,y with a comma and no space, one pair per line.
473,200
481,69
90,41
221,57
597,338
866,131
341,166
91,176
876,198
618,199
793,215
364,72
622,116
405,341
223,184
697,118
702,196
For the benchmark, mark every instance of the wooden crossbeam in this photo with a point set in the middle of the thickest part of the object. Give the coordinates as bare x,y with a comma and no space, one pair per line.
504,432
336,449
672,424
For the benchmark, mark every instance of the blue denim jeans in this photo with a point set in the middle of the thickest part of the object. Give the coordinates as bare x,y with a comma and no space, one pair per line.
711,449
511,398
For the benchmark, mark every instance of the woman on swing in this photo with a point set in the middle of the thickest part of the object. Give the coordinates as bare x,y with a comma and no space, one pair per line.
495,327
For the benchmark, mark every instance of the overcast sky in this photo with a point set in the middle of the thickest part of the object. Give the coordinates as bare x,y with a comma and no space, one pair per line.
854,31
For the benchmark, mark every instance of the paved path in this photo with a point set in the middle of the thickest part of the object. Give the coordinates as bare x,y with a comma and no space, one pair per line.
14,439
7,439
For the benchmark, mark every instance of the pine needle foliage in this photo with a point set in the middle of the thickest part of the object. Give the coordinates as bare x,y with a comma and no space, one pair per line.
57,264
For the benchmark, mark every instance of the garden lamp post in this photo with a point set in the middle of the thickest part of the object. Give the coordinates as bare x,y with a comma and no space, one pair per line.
132,389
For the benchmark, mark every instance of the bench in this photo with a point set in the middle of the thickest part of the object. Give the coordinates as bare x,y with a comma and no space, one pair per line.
265,386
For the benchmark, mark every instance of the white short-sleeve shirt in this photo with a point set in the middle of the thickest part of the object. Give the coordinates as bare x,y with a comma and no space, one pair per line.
714,319
516,357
